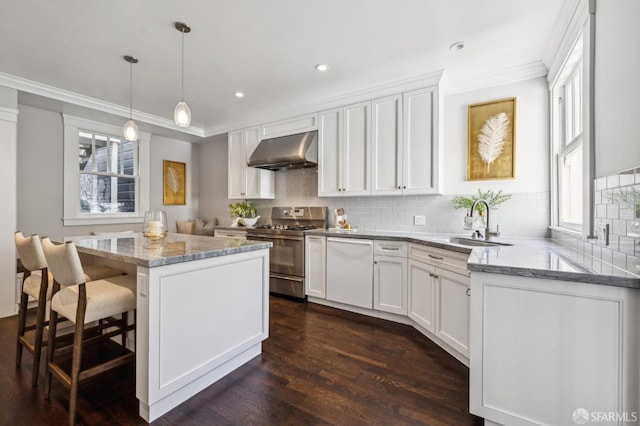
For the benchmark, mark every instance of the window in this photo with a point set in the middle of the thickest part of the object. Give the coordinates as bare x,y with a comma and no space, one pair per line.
567,141
106,177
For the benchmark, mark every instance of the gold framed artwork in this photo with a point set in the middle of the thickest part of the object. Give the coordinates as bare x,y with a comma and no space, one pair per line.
491,144
173,182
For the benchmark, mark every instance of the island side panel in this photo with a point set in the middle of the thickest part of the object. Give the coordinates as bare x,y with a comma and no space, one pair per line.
541,348
198,321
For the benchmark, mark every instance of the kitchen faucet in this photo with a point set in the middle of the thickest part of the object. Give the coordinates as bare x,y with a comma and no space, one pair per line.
487,232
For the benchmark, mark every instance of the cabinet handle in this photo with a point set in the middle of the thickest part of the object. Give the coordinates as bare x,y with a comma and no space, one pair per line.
468,292
436,257
389,248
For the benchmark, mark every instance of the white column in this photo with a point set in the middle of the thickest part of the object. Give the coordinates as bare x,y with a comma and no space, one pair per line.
8,201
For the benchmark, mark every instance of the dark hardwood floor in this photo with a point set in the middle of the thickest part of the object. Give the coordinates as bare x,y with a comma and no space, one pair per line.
319,366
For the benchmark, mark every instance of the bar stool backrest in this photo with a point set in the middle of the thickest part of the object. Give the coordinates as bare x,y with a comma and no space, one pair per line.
64,262
30,251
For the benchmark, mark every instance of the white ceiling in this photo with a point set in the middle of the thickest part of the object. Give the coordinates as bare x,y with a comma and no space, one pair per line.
267,49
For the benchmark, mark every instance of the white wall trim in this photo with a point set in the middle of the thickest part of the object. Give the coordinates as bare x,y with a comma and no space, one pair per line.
51,92
570,23
9,114
500,77
387,89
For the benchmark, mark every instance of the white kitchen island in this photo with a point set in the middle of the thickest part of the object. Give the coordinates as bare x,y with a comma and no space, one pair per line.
202,309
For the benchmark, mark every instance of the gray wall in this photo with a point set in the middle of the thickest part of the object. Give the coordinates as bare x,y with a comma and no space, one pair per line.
213,180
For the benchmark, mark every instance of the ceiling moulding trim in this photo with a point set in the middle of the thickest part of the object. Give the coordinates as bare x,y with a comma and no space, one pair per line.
387,89
66,96
500,77
9,114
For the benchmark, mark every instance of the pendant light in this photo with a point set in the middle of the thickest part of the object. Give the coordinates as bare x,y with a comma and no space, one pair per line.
182,113
130,131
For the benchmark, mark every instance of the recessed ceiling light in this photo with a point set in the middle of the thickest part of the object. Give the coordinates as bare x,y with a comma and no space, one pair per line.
238,94
322,67
458,45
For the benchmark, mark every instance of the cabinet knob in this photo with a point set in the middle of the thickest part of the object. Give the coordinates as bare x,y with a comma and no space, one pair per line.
375,262
404,187
398,186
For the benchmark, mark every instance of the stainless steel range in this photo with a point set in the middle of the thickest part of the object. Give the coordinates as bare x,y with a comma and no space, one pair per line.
286,257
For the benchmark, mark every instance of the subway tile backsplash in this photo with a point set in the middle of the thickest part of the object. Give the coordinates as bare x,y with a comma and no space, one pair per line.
524,215
617,204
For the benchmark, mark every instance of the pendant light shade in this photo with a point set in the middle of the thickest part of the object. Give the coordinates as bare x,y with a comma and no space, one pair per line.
182,113
130,131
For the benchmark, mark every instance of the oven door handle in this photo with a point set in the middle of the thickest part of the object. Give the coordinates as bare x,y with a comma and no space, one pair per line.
273,237
286,277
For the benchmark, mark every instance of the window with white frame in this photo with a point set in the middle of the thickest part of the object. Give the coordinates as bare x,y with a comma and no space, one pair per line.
105,177
567,140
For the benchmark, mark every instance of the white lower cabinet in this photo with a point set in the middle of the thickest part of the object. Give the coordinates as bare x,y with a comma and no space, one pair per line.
422,294
452,322
350,271
390,284
439,295
315,252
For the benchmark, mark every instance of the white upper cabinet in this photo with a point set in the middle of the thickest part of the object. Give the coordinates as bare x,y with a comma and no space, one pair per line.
421,147
344,144
245,181
291,126
405,154
386,150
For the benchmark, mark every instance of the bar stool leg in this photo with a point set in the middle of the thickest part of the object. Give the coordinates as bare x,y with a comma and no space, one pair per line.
22,320
51,345
40,323
77,352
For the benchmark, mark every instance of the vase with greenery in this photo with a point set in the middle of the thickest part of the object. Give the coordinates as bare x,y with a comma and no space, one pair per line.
242,209
492,198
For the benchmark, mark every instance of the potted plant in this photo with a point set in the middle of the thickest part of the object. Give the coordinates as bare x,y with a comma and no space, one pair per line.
244,212
493,199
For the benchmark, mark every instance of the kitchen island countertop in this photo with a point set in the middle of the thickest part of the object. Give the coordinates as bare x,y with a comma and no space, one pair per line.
174,248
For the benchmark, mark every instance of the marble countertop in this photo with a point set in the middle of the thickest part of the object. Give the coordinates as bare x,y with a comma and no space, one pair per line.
175,248
528,257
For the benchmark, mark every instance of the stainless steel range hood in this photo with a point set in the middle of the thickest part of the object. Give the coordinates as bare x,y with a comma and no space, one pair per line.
286,152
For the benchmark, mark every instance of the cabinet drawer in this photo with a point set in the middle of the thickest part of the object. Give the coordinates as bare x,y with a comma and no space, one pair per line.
390,248
440,257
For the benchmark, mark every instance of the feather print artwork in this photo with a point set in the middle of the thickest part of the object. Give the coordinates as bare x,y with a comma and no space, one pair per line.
492,138
172,180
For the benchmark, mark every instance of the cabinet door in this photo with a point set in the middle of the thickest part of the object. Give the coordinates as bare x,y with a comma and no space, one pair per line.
350,271
329,158
386,146
422,294
237,165
314,266
252,175
418,147
390,284
452,324
356,158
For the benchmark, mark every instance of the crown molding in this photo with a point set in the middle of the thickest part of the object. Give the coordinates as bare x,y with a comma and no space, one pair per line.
69,97
9,114
499,77
416,82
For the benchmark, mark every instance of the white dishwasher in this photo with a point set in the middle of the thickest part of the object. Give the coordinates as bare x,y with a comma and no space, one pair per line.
350,271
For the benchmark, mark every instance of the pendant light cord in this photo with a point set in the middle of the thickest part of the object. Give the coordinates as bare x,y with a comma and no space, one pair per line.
182,88
130,90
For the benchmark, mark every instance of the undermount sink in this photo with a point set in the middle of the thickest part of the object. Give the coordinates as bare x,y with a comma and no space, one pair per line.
475,243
